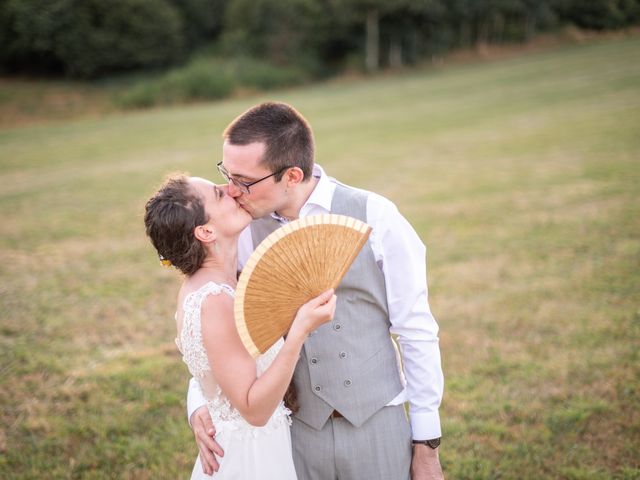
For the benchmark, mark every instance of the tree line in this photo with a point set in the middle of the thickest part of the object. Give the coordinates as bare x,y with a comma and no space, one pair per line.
94,38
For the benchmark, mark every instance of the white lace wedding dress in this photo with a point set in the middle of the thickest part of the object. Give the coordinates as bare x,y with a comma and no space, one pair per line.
251,453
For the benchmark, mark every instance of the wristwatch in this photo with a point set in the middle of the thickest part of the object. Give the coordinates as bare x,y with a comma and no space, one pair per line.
433,443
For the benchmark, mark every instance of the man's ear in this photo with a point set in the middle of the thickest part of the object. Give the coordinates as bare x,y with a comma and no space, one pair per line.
205,233
293,176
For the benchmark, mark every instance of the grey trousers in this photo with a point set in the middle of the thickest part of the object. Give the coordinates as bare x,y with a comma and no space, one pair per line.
378,450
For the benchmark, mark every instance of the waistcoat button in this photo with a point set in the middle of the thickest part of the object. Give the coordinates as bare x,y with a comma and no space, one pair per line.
347,383
343,354
317,388
337,326
314,360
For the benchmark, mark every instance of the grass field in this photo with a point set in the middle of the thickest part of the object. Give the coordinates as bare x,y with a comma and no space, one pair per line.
522,176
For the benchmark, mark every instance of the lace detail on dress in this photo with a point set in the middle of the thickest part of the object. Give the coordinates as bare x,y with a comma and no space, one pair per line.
190,344
190,339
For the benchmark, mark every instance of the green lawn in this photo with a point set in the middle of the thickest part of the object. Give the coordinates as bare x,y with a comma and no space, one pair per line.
522,176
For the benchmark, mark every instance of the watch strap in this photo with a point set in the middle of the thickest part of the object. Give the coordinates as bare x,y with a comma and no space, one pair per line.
432,443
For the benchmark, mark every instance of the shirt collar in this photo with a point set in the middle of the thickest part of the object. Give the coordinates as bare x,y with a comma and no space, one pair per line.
321,196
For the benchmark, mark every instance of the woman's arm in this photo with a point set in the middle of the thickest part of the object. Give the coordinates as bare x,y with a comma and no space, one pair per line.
256,398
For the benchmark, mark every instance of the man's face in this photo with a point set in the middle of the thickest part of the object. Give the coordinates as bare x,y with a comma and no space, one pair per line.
243,163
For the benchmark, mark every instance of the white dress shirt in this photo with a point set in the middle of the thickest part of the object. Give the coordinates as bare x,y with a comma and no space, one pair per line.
400,254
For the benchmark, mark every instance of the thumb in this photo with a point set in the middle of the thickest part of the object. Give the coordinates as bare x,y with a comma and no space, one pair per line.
323,298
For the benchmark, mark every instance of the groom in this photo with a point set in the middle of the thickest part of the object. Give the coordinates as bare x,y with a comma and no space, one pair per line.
351,386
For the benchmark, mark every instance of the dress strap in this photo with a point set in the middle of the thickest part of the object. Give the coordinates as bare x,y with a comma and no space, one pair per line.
193,302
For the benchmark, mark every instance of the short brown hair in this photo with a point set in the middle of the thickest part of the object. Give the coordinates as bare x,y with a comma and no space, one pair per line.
171,215
286,134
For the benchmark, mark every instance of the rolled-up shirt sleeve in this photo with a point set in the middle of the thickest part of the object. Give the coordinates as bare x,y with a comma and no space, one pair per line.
402,257
195,398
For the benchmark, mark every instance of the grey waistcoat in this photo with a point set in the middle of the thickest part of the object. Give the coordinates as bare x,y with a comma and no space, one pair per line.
349,365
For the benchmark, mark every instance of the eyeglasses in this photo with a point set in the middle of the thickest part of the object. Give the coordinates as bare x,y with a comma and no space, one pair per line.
244,186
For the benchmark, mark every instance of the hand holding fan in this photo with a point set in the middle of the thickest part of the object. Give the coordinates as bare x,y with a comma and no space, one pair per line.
291,266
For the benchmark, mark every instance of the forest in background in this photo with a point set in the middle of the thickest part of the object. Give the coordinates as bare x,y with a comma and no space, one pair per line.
271,42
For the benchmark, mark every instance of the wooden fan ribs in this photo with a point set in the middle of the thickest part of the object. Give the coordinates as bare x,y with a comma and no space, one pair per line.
292,265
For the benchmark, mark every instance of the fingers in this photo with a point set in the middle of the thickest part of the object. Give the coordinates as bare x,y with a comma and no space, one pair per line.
329,306
207,423
208,446
314,313
332,304
204,432
208,461
217,449
201,419
323,313
208,443
323,298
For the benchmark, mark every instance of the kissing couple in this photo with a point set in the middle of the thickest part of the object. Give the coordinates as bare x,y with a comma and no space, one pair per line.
338,365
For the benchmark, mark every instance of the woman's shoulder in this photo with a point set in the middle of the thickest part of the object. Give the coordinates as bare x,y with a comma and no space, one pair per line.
198,299
217,305
217,318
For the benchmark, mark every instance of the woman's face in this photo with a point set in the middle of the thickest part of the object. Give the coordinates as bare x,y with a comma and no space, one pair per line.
225,215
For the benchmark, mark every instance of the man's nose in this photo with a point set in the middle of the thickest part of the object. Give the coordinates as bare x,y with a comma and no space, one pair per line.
233,190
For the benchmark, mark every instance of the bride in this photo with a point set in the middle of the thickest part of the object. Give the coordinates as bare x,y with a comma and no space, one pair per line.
194,225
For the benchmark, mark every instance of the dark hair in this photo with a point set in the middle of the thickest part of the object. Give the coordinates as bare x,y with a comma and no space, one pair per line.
286,134
170,217
291,398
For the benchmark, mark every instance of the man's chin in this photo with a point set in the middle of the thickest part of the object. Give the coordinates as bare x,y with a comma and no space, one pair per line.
248,211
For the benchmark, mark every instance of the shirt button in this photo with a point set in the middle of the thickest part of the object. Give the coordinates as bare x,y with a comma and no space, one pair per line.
347,383
337,326
343,354
317,388
314,360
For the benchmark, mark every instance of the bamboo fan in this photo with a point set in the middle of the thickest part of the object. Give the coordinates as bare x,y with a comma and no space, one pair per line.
291,266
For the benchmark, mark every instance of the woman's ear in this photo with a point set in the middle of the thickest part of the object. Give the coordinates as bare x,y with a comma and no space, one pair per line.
205,233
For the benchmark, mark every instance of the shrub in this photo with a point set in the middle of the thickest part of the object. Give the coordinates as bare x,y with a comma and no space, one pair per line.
209,79
260,75
200,80
142,95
